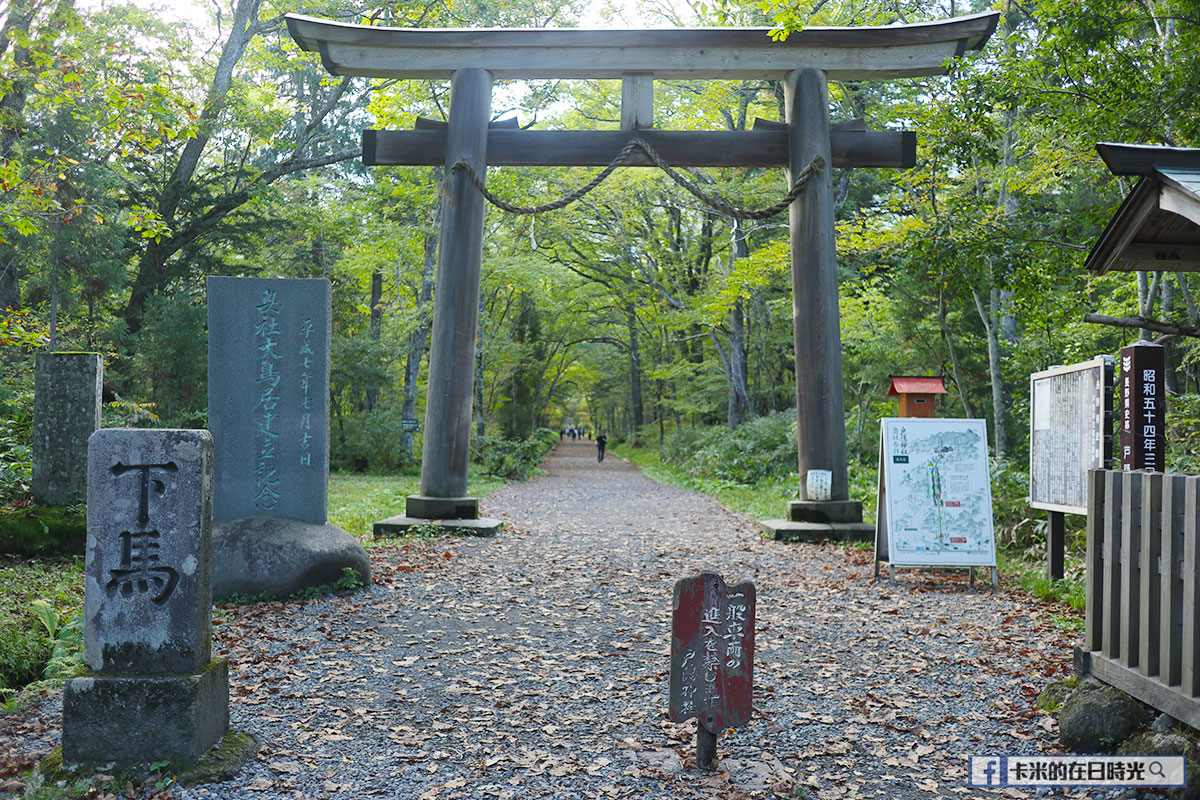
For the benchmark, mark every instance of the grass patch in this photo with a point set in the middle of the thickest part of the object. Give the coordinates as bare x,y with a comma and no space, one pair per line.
1031,577
357,501
765,500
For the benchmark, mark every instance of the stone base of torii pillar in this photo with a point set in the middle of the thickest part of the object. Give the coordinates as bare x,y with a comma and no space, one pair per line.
813,520
455,514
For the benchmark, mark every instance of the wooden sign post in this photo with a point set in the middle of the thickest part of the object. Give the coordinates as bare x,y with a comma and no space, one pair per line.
712,658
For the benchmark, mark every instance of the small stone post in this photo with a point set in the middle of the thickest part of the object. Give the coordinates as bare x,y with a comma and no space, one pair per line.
66,411
154,692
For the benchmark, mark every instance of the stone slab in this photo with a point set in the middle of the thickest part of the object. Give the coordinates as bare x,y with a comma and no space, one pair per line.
148,577
394,526
276,556
131,719
787,531
268,396
66,411
425,507
825,511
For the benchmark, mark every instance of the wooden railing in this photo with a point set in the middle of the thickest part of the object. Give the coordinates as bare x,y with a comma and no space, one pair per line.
1142,632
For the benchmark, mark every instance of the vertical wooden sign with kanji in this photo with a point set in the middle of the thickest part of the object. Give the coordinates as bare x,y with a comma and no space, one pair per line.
712,657
1143,406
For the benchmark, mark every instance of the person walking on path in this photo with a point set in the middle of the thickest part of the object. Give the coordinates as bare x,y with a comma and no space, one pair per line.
601,443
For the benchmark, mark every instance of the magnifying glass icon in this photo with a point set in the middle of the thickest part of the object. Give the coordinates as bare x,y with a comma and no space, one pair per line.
1156,768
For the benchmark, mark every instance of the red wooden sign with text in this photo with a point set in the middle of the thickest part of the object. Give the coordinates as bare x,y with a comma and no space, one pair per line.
712,652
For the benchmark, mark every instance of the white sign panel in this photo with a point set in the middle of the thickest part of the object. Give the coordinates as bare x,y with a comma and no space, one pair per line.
1069,426
935,503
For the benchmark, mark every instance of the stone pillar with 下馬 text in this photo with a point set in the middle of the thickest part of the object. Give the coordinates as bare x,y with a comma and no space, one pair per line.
821,429
268,410
446,451
153,691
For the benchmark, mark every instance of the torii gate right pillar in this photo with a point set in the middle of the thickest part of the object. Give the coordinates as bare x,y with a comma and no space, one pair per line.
821,426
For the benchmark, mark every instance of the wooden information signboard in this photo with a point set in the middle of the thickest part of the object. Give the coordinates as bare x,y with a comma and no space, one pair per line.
935,494
1070,432
712,657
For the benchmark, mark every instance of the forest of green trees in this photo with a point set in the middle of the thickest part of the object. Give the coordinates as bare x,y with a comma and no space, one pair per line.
139,154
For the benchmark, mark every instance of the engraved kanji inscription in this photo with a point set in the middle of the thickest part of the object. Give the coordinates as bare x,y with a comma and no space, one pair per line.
142,571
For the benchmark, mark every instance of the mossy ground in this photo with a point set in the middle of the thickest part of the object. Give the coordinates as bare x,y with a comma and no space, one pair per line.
52,780
43,531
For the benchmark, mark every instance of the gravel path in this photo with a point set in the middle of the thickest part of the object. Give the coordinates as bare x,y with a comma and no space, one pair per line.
534,665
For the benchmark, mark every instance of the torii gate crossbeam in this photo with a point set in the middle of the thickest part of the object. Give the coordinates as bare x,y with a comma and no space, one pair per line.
473,58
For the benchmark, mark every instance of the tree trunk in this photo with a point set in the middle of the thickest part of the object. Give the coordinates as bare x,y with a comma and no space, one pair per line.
419,338
955,367
480,422
739,396
635,371
376,325
12,115
739,401
989,314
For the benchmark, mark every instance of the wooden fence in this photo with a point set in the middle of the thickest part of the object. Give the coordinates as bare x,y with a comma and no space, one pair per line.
1142,631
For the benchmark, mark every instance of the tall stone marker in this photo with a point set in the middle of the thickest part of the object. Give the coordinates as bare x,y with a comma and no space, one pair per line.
268,410
268,396
153,691
66,411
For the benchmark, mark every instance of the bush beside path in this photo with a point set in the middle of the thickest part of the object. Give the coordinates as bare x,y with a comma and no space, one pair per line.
534,665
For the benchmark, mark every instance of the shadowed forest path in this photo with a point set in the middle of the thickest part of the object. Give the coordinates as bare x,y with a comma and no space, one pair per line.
534,664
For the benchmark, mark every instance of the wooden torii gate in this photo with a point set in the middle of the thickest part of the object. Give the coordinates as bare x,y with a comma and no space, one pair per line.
473,58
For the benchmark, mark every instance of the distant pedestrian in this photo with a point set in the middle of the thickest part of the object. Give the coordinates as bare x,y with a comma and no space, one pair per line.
601,443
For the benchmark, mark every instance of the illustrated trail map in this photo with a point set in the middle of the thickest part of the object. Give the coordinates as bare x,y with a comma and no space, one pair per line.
935,504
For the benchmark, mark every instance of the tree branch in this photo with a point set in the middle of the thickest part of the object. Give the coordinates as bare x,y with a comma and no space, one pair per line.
1144,323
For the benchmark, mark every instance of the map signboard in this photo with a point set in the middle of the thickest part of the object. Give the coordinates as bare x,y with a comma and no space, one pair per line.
1070,432
935,493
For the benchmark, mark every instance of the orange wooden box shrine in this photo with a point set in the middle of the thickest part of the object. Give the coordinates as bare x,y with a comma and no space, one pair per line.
916,393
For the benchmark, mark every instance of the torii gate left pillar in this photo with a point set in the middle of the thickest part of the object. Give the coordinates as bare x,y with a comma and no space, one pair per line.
446,452
805,61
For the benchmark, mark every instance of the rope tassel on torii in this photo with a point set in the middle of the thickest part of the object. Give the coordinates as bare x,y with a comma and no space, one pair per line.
805,144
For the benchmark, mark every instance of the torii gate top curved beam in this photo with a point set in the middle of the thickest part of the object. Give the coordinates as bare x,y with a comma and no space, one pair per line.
893,51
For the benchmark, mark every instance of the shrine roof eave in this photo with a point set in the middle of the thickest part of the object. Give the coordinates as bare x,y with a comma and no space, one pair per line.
1149,232
858,53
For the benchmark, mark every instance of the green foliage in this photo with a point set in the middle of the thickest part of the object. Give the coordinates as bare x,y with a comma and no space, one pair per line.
370,438
122,413
16,466
40,606
65,633
24,653
172,356
348,581
763,449
514,460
